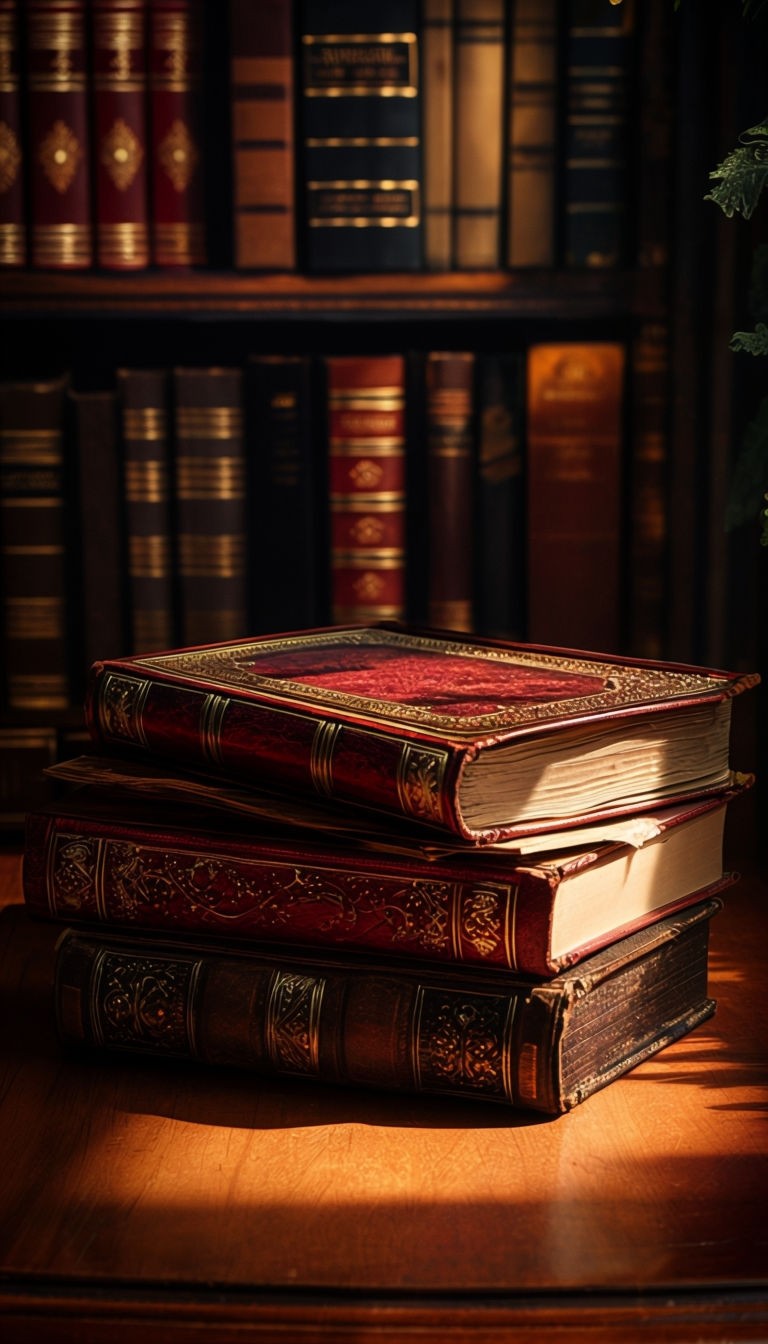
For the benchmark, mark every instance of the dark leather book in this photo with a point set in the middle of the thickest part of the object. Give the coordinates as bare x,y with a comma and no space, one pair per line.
366,396
59,134
288,543
143,400
120,148
262,93
441,729
13,204
575,483
35,553
450,448
479,93
210,503
649,360
176,131
360,149
544,1046
437,47
500,532
533,113
168,865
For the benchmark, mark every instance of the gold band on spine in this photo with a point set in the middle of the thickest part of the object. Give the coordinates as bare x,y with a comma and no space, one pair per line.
13,245
292,1027
211,718
125,244
99,885
506,1051
62,244
321,759
510,927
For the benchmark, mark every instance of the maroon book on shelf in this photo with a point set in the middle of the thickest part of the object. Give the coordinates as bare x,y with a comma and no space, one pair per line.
473,736
450,406
119,57
13,236
175,83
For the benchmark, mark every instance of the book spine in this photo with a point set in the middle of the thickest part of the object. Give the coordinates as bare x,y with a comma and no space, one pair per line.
368,1029
209,475
649,391
144,416
598,80
124,875
119,63
25,752
59,135
501,524
288,541
13,214
437,65
178,203
361,165
450,485
653,148
262,97
367,486
33,502
532,141
479,133
575,394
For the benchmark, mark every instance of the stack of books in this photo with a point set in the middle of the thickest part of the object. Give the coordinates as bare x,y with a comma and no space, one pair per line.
389,857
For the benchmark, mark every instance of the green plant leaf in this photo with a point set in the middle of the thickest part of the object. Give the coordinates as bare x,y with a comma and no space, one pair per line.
742,176
747,492
751,342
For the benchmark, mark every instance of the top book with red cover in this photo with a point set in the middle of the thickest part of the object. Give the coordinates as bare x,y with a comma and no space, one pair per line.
478,737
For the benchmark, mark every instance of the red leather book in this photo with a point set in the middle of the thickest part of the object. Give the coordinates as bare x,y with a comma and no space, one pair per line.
367,486
543,1045
13,228
58,128
176,122
119,62
448,731
154,865
450,407
262,95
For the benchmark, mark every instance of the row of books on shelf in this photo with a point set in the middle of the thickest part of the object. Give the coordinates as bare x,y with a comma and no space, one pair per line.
334,856
467,489
358,137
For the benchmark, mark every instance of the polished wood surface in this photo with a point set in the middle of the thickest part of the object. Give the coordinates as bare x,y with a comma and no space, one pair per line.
137,1196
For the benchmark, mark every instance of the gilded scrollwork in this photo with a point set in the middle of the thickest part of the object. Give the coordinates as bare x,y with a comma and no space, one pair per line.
143,1002
293,1013
460,1042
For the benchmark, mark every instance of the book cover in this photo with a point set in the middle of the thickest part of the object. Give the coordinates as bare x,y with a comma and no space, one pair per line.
479,88
448,731
262,93
210,499
119,119
437,44
575,483
157,864
175,118
58,131
361,152
500,532
13,204
366,403
450,449
532,141
544,1046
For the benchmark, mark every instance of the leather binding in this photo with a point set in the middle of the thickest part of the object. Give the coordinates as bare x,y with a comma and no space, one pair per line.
450,404
650,391
437,62
13,213
367,486
544,1046
361,153
209,475
479,133
289,545
143,401
533,116
175,84
119,62
59,135
501,527
35,553
575,395
262,94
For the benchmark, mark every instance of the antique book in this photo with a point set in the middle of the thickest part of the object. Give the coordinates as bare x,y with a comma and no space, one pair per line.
437,42
58,134
144,422
532,142
287,532
574,493
119,63
262,92
34,550
210,498
650,392
450,448
366,402
479,83
542,1045
360,164
176,121
13,201
500,533
471,736
173,865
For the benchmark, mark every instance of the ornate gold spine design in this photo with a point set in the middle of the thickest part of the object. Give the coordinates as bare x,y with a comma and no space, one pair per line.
144,1003
121,154
420,781
294,1004
462,1042
120,708
60,155
178,155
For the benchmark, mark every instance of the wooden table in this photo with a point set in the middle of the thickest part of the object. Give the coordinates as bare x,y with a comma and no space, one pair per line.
140,1198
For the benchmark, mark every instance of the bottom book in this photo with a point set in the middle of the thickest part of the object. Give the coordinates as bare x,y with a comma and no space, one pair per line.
543,1045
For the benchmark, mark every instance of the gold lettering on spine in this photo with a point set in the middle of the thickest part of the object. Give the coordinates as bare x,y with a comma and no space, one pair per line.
321,758
211,719
292,1028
